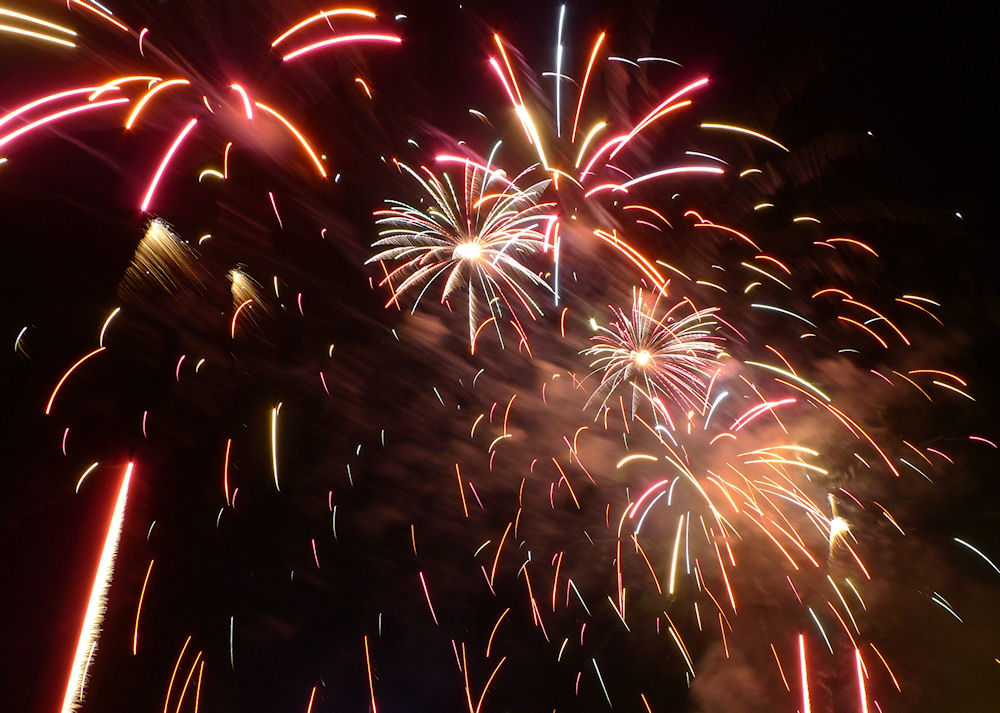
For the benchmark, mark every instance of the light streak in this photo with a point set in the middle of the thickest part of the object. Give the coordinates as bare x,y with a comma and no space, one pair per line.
36,21
145,99
670,171
36,35
793,377
107,323
322,16
52,398
583,89
661,109
861,681
163,164
211,172
364,86
559,52
978,552
427,594
634,456
58,115
138,610
783,311
103,15
85,474
806,707
90,629
247,108
232,326
177,665
673,557
741,130
600,678
297,134
274,445
225,470
340,40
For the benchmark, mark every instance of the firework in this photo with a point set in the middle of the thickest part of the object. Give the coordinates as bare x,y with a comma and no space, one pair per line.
661,358
730,469
751,443
478,244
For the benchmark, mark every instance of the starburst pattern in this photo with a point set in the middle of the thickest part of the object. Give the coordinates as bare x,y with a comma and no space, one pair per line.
478,244
664,360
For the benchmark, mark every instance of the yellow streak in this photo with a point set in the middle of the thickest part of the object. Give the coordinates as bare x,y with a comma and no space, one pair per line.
583,87
488,682
586,142
295,132
322,16
741,130
371,684
115,84
496,626
177,665
138,609
187,682
37,35
780,670
636,456
85,474
36,21
211,172
130,121
52,398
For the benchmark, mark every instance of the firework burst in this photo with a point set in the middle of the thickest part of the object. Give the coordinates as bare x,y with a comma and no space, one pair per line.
477,244
666,359
746,472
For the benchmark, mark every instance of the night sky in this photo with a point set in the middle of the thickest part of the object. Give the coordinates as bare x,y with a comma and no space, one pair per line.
888,117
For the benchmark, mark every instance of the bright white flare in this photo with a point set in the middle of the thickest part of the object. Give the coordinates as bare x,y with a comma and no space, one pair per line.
467,251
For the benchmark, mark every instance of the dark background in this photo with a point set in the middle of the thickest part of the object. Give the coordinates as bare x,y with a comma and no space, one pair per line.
921,81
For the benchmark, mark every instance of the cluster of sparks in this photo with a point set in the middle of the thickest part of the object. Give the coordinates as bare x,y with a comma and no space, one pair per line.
477,244
735,433
662,358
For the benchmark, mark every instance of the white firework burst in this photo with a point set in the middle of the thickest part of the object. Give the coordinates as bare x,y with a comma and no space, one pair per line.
477,244
663,360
